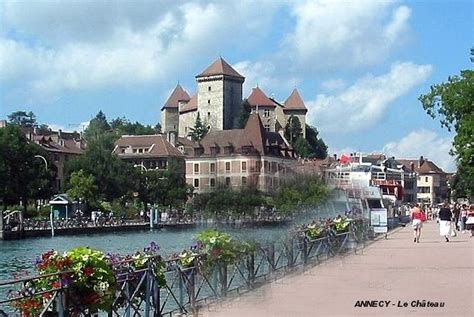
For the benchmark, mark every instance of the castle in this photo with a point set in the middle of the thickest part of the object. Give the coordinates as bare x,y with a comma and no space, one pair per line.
218,102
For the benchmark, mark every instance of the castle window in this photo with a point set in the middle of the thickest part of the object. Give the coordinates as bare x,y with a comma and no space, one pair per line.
266,113
209,88
227,167
244,180
227,181
208,101
196,168
208,114
267,127
212,167
213,182
196,182
244,166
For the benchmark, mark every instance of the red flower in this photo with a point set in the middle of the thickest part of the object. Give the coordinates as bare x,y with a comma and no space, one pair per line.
56,284
216,252
88,271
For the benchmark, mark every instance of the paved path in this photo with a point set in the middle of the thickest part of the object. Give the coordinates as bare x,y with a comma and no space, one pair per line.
392,270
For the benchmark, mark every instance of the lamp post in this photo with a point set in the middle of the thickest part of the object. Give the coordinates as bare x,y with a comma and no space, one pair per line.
143,168
44,160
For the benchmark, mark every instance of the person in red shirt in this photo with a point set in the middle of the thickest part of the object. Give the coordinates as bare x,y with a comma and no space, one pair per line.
417,217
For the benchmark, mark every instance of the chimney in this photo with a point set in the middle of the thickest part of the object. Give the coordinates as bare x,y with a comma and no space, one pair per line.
421,161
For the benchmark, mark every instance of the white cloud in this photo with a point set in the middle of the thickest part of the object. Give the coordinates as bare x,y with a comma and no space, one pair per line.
424,143
264,74
361,105
70,127
331,85
333,34
115,44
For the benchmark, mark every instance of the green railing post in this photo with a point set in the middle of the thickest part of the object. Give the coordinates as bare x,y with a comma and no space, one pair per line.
289,252
271,257
149,279
223,278
251,270
305,251
191,282
181,291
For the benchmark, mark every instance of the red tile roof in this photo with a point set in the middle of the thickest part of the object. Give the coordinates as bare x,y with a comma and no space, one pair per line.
426,166
252,140
156,145
191,105
259,98
220,67
294,102
178,94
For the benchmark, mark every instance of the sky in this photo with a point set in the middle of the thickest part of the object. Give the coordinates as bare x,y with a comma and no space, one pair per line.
360,66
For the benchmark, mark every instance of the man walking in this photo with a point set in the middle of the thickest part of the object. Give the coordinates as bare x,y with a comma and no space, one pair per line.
445,216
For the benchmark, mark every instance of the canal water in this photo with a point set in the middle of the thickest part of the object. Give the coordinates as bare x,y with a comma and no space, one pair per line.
19,255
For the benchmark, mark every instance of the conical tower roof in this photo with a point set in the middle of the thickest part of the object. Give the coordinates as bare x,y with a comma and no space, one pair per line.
294,102
178,94
220,67
259,98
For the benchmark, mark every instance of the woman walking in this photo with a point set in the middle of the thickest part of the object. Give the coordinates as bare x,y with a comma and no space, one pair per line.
464,212
445,216
417,217
470,220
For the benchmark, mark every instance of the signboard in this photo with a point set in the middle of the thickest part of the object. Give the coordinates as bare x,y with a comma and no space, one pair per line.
378,219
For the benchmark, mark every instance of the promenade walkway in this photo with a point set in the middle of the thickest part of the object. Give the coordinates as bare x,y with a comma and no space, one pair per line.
393,270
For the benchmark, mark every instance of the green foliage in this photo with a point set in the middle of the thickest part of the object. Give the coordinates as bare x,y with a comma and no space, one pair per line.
224,201
82,187
24,176
98,126
314,231
293,129
243,115
219,246
199,130
301,193
318,149
123,126
22,118
453,103
164,187
301,147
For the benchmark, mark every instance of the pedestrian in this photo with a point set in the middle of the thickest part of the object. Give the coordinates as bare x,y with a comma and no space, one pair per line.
445,215
470,220
417,217
464,212
456,214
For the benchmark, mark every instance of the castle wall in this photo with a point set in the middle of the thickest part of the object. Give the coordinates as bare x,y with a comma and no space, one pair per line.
169,120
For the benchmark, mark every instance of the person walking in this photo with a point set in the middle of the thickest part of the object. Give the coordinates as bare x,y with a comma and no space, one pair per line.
456,214
445,215
470,220
464,212
417,217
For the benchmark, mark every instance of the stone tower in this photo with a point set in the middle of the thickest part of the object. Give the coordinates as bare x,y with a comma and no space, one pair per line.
294,106
219,95
170,110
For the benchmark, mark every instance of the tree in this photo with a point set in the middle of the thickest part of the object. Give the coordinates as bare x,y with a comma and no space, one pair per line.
302,147
243,115
82,187
22,175
319,149
293,129
22,118
453,102
199,130
97,127
122,126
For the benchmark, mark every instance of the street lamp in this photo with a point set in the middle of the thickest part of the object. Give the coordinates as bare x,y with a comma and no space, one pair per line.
44,160
141,166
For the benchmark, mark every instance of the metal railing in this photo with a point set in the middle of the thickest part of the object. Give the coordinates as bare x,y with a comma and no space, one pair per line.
187,289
